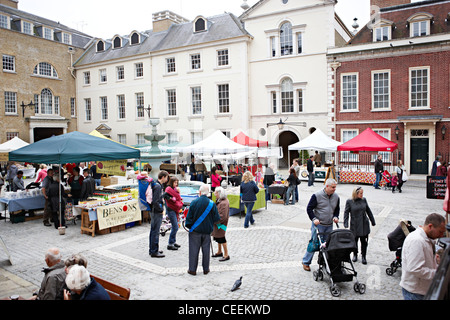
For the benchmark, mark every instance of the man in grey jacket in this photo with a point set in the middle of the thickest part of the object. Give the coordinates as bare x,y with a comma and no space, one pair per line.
55,276
323,210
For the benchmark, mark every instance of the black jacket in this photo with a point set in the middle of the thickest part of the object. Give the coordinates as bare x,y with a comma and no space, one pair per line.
378,165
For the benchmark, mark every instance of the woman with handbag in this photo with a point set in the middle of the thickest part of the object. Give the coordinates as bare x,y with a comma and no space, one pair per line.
401,174
174,203
293,182
358,210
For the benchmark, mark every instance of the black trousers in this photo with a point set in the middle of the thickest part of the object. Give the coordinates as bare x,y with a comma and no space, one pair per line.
364,240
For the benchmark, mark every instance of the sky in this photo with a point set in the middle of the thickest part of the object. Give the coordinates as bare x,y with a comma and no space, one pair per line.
106,18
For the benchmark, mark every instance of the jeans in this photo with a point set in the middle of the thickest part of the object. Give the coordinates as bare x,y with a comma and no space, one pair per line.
155,226
296,193
324,231
411,296
377,180
267,192
98,182
290,191
248,215
310,178
174,222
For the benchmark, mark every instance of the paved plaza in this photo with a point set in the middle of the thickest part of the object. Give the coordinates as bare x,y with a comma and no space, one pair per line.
267,255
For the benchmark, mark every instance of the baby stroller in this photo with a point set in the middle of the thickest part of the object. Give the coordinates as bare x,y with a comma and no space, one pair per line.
386,180
166,226
332,258
396,239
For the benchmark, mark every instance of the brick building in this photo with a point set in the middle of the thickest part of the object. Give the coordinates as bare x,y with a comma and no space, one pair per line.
37,56
393,76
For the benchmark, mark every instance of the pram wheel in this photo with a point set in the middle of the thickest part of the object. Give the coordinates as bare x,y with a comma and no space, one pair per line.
318,275
359,287
389,271
335,290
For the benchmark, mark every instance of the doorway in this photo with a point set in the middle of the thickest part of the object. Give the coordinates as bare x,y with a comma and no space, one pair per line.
419,155
285,139
44,133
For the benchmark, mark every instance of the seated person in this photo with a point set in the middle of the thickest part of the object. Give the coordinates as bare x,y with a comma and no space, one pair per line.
54,278
80,283
18,182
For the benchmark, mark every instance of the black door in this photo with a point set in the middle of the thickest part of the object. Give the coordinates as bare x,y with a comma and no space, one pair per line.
419,156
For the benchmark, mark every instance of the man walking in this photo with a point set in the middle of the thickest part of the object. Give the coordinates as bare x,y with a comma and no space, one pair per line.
419,257
200,220
310,168
323,210
156,214
45,185
378,171
296,167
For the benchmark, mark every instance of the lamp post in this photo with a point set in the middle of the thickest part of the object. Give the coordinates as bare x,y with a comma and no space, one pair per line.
24,106
443,130
148,109
281,124
397,131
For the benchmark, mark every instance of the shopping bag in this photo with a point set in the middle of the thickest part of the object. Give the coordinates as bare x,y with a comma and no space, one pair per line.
314,243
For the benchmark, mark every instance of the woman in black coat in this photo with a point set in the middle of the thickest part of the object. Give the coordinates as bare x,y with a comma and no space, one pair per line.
360,213
54,190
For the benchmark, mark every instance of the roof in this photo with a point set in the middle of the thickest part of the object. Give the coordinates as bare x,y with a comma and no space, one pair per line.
368,140
220,27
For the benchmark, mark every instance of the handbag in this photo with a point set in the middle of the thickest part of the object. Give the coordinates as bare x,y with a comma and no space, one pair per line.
314,244
286,183
404,176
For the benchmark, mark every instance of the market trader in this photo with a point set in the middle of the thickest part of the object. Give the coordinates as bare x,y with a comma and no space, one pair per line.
323,210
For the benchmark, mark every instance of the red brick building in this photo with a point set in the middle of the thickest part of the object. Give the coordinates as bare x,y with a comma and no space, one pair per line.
393,77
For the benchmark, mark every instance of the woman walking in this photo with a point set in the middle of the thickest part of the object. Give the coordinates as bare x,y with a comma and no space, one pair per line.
220,227
358,210
215,179
294,181
249,189
400,174
173,206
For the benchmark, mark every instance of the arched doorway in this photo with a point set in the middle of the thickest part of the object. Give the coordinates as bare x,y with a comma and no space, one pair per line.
285,139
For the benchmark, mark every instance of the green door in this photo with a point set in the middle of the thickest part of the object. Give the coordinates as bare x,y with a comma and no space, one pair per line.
419,156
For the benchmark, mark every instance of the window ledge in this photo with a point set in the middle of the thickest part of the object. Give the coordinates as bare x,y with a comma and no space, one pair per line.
418,108
380,110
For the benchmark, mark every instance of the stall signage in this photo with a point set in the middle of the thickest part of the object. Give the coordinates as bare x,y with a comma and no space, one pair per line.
112,167
436,187
118,214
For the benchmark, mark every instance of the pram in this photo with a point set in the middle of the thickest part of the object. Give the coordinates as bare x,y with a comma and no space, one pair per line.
386,180
166,226
332,258
395,242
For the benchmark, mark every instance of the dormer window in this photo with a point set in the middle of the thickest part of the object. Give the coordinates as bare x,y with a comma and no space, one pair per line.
117,43
135,38
100,46
382,31
200,24
419,24
4,21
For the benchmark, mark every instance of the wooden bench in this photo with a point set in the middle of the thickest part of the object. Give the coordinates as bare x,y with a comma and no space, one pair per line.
115,291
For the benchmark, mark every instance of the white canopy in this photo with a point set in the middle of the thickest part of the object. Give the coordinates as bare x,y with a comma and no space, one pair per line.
215,143
316,141
13,144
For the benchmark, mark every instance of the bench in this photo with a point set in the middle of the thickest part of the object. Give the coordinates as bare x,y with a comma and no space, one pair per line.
115,291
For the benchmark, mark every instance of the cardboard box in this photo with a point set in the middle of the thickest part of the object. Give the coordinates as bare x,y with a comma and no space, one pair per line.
109,181
278,201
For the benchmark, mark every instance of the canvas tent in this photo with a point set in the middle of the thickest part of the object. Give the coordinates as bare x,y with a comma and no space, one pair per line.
368,140
13,144
245,140
316,141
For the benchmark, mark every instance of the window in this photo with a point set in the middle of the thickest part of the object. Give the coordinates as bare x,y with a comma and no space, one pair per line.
349,92
287,96
286,39
172,137
170,63
171,102
224,98
46,102
196,96
140,138
87,109
67,38
36,103
195,61
222,57
48,33
140,103
273,95
117,42
56,99
10,102
199,25
299,43
382,33
120,72
273,47
196,137
419,88
419,24
100,46
45,69
103,108
87,77
4,22
135,38
122,138
73,107
9,63
346,156
300,100
27,27
11,135
385,156
419,28
139,68
121,106
380,90
103,76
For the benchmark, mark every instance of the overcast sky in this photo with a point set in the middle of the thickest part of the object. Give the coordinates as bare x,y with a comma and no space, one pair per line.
106,18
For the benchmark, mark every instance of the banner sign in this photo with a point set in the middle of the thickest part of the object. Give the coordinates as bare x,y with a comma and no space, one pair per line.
112,167
436,187
118,214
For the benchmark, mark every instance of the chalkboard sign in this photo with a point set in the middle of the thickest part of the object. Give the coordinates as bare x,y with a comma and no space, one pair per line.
436,187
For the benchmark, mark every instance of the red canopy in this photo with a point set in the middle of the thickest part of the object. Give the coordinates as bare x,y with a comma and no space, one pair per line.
245,140
368,140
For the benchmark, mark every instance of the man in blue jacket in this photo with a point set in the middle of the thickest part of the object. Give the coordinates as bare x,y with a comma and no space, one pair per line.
156,214
200,220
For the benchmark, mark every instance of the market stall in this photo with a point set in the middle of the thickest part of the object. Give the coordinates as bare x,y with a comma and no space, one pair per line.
237,206
73,147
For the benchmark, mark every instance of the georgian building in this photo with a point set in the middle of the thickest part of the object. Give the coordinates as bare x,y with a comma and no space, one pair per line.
393,76
37,81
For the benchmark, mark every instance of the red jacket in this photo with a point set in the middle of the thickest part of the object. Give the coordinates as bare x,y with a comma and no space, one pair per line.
176,204
215,180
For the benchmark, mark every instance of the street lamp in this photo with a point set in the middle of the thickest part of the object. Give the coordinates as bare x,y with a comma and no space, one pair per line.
443,130
281,124
142,108
24,106
397,131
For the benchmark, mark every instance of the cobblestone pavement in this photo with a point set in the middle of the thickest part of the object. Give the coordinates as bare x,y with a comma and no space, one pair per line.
267,255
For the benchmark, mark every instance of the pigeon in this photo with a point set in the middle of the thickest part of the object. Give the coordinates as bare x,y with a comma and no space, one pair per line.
237,284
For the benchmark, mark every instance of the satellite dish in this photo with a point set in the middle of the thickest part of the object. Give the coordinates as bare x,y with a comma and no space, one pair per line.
262,132
245,5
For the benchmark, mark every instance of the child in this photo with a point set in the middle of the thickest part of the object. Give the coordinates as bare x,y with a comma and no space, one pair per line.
394,181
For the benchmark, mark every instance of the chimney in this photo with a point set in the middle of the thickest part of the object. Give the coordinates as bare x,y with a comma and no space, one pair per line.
10,3
164,19
385,3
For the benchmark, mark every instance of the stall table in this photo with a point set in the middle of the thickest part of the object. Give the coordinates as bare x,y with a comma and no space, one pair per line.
357,177
236,206
26,203
279,189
